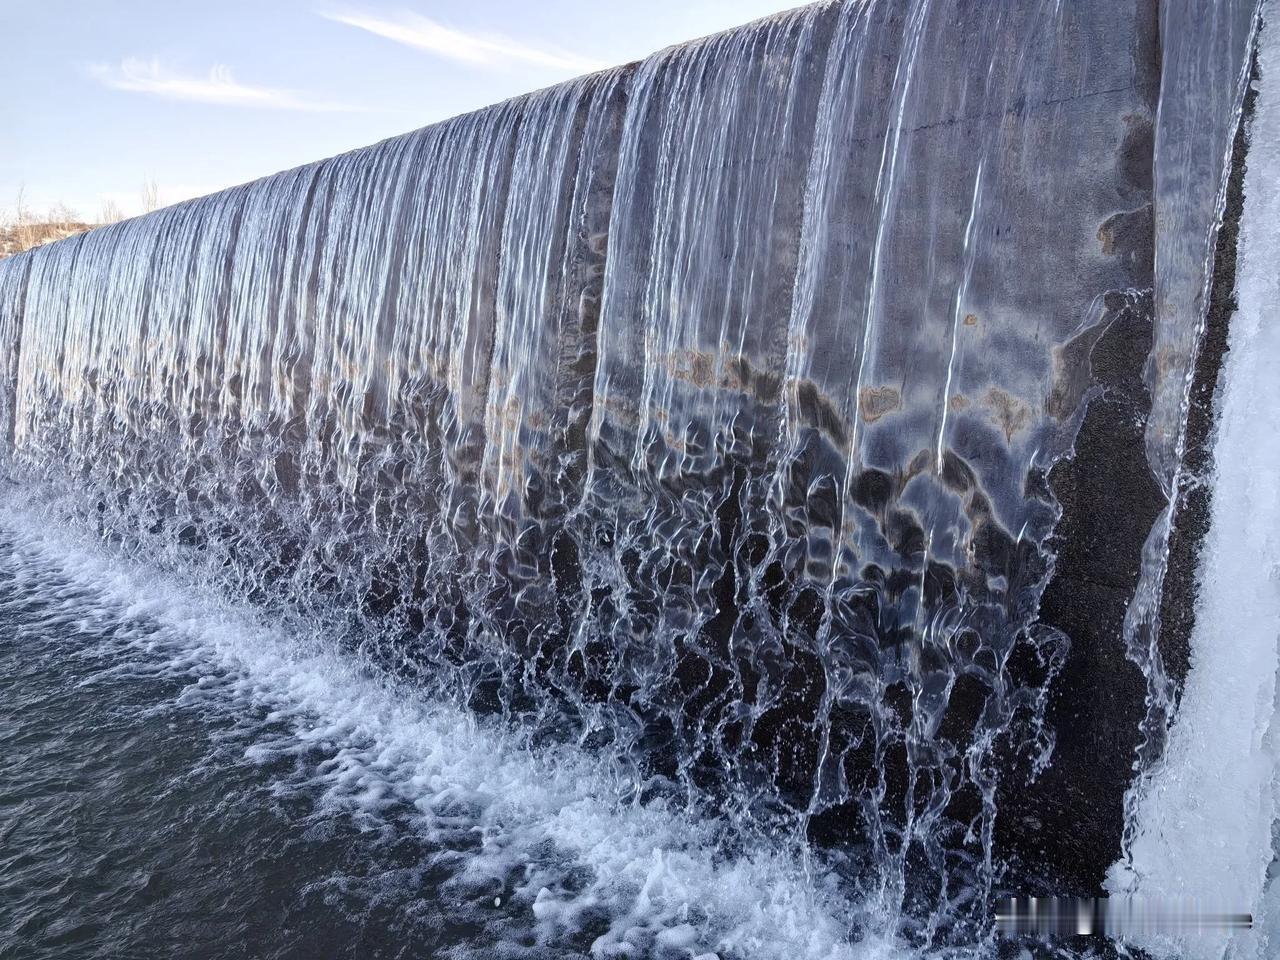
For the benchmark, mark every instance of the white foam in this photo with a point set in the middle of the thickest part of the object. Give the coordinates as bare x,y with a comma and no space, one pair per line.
1206,818
656,873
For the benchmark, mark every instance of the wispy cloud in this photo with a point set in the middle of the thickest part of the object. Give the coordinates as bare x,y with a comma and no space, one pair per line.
218,86
414,30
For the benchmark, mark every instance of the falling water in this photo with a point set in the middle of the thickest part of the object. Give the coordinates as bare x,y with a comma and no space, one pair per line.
708,414
1205,821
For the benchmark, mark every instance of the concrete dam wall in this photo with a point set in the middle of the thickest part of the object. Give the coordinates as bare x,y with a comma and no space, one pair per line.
801,415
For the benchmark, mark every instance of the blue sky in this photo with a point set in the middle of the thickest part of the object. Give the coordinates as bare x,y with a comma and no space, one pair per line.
100,96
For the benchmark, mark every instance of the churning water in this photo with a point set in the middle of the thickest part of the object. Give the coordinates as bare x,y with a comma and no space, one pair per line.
654,517
184,778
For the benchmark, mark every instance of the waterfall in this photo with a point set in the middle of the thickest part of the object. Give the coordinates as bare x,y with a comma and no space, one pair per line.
795,416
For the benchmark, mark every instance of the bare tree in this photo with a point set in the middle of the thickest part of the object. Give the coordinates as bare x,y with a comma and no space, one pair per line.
23,220
111,212
61,213
150,195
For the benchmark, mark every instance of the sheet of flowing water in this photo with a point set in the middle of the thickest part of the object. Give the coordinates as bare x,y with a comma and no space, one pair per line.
1206,828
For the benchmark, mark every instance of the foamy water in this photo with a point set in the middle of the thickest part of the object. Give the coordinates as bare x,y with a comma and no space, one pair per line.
560,831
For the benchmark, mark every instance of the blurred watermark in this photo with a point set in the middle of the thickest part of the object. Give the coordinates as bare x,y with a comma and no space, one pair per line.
1118,917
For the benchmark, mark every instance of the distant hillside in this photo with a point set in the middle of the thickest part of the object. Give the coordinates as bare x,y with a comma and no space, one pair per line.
15,238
